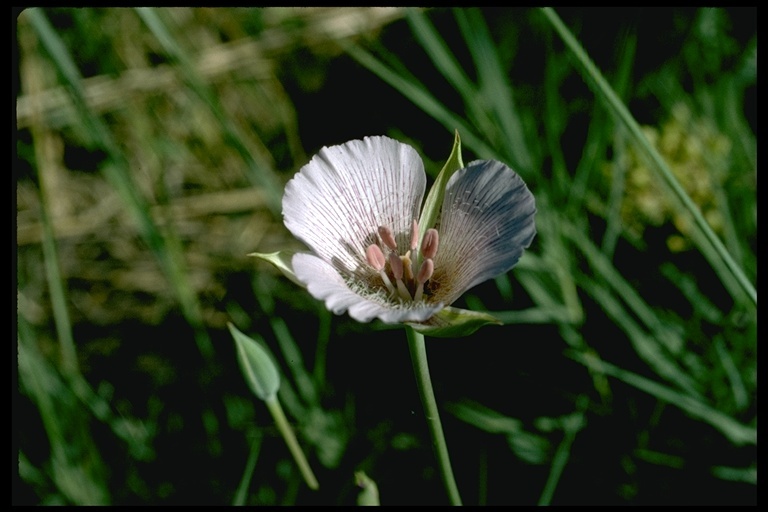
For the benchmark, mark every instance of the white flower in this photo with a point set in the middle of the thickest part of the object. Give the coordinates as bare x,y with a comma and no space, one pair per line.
357,205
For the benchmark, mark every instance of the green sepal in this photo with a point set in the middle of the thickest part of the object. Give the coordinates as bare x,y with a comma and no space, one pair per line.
431,210
256,364
454,323
281,260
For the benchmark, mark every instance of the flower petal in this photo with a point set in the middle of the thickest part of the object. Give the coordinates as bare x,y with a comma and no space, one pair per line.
337,201
486,222
326,284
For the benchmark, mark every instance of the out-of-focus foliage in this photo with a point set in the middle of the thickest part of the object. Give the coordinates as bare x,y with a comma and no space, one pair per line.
152,149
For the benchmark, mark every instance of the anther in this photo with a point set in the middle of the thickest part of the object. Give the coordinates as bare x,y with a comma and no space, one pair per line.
396,264
429,244
425,272
376,259
414,235
387,237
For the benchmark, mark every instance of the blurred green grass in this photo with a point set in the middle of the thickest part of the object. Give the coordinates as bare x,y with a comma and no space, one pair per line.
152,146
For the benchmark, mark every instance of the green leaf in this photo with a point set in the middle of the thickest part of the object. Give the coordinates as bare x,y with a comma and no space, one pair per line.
256,364
434,202
281,260
746,475
454,323
532,448
485,418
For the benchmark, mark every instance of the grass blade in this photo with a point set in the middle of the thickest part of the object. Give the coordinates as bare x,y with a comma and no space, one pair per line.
440,55
417,93
495,89
736,432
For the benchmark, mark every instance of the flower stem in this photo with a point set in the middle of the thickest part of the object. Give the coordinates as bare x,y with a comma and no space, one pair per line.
421,370
290,439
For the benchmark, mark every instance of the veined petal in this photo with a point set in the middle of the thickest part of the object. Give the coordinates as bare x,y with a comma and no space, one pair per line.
325,283
486,222
337,201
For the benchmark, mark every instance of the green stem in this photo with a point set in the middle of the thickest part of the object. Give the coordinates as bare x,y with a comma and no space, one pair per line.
559,461
242,490
290,439
421,370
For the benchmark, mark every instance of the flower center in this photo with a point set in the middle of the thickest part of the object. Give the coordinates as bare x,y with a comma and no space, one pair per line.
392,266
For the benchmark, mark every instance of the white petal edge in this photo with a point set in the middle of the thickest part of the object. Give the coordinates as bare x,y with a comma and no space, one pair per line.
326,284
337,201
487,220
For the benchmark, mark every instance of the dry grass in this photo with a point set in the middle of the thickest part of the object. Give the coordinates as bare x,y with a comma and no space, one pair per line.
192,179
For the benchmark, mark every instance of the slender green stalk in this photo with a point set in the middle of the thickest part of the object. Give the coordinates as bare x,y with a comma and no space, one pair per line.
242,490
57,289
571,426
421,369
623,114
290,439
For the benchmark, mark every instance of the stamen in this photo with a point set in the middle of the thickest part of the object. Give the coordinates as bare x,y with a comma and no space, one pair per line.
387,237
429,244
414,235
376,259
425,272
401,267
403,291
396,264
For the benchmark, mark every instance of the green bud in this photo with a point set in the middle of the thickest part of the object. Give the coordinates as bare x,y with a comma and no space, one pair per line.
257,366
